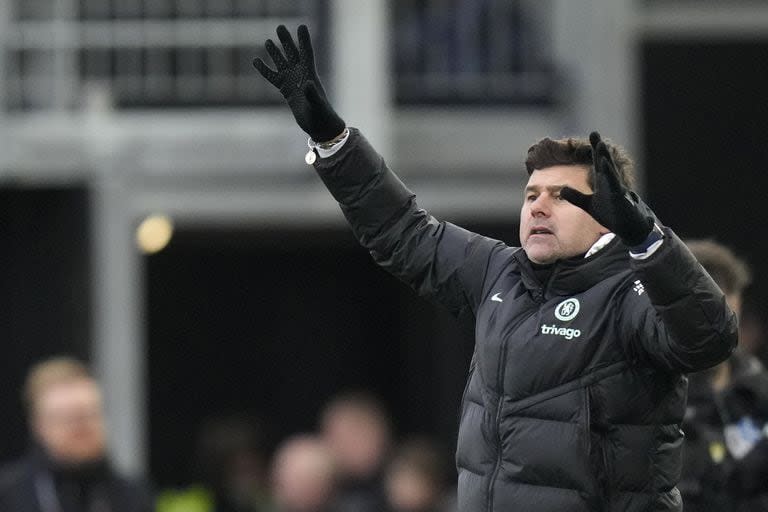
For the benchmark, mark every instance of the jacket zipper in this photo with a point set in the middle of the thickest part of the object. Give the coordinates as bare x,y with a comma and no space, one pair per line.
497,424
588,438
472,365
587,422
538,298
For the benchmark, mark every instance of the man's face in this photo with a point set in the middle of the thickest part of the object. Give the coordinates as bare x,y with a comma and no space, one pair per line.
303,476
358,441
552,228
68,420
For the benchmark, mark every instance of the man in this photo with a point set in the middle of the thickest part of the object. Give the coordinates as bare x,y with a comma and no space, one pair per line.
725,463
357,429
67,470
416,478
304,476
582,336
230,469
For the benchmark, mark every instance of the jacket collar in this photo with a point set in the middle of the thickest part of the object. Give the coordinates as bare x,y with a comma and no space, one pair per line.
577,274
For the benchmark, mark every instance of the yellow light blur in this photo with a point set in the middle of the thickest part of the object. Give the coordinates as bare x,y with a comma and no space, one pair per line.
154,233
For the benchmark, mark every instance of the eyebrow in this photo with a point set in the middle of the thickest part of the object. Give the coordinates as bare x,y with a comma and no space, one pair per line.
549,188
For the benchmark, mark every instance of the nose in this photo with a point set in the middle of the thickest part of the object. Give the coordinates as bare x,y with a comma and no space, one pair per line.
540,207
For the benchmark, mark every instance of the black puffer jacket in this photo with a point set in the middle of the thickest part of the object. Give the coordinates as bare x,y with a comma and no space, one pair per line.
38,484
576,390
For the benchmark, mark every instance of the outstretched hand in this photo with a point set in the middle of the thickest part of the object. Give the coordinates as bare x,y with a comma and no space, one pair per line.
296,78
612,204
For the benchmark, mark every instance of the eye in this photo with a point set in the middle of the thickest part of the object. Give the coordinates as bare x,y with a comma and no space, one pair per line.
530,197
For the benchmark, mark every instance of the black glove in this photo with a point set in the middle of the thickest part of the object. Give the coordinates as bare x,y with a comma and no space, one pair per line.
297,79
612,204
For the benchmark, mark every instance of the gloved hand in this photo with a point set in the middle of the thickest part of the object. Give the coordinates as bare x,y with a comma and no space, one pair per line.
297,80
612,204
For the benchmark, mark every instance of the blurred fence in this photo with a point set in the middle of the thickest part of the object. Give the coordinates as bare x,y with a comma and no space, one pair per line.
142,53
61,54
473,51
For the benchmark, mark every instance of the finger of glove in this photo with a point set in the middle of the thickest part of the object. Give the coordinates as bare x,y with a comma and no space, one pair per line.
270,74
608,174
289,46
603,151
276,55
594,139
583,201
306,51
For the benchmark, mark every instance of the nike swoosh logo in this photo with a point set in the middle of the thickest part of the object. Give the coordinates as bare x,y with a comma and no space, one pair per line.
496,297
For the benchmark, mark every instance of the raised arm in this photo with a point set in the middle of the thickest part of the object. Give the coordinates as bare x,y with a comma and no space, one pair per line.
438,259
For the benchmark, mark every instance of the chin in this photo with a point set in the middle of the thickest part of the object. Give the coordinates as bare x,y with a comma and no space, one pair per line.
542,259
539,255
86,454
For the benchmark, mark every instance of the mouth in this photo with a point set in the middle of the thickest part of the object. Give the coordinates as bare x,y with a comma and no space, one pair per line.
540,231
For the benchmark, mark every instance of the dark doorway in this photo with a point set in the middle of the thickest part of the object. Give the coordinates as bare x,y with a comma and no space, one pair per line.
44,290
275,322
705,124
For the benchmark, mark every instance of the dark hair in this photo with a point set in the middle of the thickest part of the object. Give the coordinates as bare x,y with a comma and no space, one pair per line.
423,456
729,271
578,151
361,402
222,441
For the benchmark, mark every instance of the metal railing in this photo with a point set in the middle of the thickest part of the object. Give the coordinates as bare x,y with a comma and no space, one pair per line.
63,54
473,51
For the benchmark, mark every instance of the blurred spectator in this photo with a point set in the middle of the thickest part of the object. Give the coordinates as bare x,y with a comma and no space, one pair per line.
358,430
725,465
416,478
752,331
67,470
303,476
231,470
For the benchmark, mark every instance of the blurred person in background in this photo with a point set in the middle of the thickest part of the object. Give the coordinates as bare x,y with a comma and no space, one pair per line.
725,463
67,469
416,478
357,429
583,335
752,331
304,476
231,470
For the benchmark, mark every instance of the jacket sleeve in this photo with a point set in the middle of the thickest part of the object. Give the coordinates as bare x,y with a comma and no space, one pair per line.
687,325
438,259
